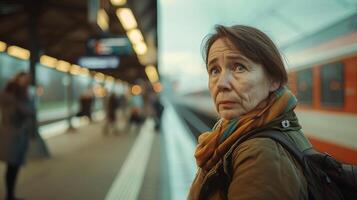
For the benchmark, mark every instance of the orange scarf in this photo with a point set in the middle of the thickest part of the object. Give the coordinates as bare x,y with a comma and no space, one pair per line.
211,148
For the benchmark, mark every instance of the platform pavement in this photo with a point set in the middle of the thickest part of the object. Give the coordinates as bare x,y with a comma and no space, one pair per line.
83,165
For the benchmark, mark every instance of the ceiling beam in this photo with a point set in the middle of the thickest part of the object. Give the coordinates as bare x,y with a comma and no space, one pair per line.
63,34
7,16
17,24
67,7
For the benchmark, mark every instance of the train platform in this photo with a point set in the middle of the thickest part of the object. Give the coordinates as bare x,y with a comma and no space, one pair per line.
83,165
136,163
86,164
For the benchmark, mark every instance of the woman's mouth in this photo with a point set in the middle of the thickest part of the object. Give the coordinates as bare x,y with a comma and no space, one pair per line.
226,104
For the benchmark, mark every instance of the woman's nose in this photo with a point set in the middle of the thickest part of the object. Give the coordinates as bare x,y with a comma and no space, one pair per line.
224,81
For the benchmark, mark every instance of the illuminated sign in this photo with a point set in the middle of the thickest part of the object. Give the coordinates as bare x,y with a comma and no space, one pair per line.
99,62
109,46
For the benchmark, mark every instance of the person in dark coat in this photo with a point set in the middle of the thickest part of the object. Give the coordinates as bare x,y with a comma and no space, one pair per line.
111,109
16,115
158,110
86,102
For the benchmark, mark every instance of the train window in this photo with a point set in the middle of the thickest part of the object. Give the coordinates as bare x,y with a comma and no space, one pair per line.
304,86
332,92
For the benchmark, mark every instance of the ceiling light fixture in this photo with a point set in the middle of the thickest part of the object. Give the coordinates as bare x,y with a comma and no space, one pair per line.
135,36
2,46
118,2
63,66
48,61
151,73
103,19
140,48
18,52
126,18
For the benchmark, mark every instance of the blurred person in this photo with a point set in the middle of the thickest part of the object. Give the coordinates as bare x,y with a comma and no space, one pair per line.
148,99
247,82
85,102
122,112
111,109
158,110
136,114
17,115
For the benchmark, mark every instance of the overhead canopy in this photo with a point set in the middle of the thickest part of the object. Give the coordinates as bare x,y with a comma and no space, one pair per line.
63,28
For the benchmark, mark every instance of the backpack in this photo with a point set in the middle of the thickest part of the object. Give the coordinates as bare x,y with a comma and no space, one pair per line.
327,178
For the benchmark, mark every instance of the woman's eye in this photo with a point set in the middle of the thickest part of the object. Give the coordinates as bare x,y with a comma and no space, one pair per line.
238,68
214,71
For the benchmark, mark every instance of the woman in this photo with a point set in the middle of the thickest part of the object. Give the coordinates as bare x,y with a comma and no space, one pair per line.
247,81
16,117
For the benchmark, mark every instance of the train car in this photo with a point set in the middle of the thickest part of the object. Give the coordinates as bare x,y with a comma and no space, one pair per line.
327,94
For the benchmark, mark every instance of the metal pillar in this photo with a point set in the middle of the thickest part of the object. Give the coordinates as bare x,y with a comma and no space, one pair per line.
69,99
33,9
33,15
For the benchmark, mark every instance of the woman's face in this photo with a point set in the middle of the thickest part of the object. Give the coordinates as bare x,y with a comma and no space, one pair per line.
237,84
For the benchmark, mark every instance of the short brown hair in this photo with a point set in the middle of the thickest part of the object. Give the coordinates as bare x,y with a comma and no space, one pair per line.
255,45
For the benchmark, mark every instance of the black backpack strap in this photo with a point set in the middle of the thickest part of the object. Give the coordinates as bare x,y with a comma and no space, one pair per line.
284,141
288,145
275,135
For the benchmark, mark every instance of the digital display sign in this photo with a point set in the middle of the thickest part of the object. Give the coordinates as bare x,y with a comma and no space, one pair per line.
99,62
109,46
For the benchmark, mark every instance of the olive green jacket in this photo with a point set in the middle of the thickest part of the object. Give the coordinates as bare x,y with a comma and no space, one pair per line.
257,169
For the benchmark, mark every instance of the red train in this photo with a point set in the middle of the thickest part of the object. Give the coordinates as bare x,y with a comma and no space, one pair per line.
330,87
327,93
